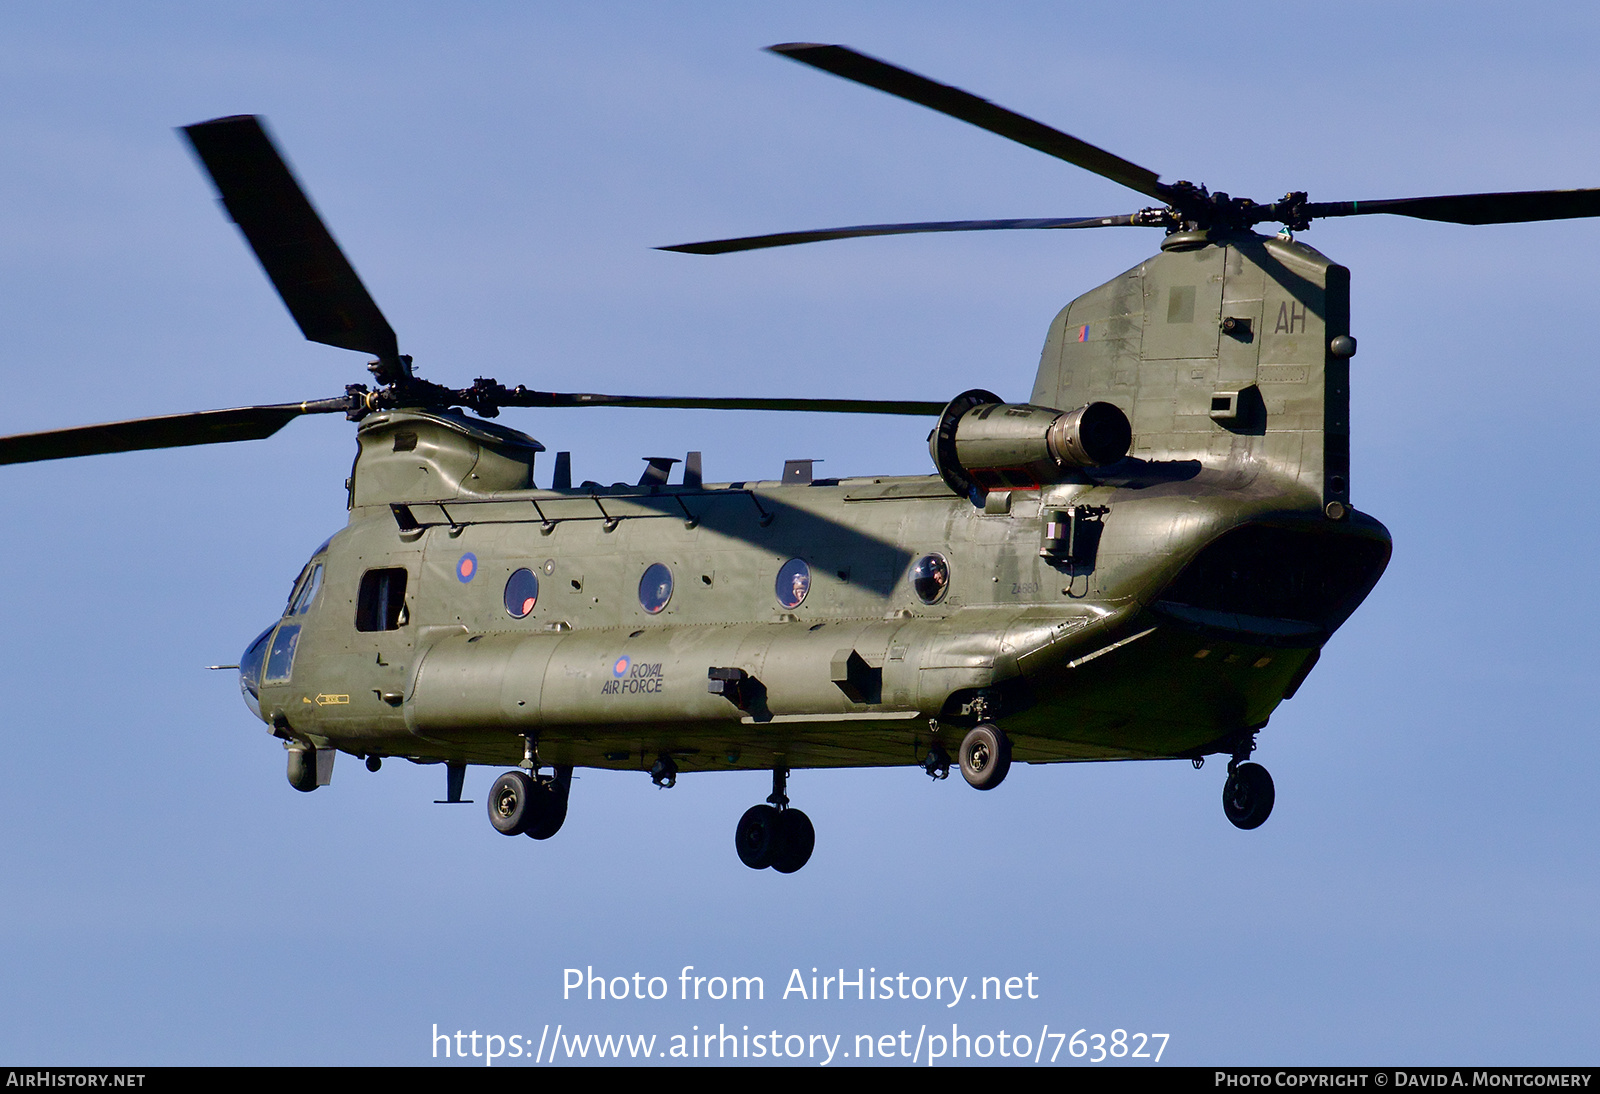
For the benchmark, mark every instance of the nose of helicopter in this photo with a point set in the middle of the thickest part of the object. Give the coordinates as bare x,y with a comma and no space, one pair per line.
250,666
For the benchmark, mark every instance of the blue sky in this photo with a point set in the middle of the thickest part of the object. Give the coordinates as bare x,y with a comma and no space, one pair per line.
1426,889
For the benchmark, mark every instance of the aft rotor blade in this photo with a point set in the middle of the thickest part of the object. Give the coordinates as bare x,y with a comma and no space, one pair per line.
250,423
523,397
1508,208
846,62
317,283
786,239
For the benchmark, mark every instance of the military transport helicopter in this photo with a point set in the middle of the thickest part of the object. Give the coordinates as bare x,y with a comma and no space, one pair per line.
1140,562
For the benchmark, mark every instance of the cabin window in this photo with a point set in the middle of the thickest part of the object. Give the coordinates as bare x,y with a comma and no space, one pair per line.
930,578
381,603
280,659
522,593
655,588
794,582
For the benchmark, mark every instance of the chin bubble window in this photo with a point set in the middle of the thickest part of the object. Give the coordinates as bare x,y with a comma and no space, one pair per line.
522,593
794,582
930,578
655,588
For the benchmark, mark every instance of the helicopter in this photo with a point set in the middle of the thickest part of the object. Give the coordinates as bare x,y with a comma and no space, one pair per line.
1140,562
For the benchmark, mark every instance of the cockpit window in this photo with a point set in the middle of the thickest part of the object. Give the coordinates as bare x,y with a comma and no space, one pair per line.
294,590
307,593
250,665
280,659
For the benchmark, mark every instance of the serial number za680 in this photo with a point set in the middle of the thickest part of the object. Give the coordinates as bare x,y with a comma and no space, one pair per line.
1097,1046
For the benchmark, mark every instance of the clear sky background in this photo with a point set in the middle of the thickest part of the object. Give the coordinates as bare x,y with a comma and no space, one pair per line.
1426,890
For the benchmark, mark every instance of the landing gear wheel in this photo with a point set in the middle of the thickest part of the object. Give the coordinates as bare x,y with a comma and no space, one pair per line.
511,803
796,839
550,804
756,838
1247,796
985,756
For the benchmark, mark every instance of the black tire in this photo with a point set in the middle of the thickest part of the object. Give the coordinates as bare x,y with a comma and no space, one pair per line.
756,838
1248,795
985,756
796,840
511,803
549,808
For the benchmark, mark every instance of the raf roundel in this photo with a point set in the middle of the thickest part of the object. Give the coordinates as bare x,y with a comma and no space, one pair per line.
620,669
466,568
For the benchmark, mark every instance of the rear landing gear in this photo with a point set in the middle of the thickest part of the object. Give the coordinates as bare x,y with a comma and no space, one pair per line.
985,756
532,805
773,834
1248,795
552,811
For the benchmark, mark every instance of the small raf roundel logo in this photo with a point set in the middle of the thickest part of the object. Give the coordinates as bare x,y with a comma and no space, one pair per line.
466,568
620,669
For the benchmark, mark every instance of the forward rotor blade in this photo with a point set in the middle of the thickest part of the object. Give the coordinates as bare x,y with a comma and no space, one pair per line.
317,283
523,397
846,62
250,423
786,239
1508,208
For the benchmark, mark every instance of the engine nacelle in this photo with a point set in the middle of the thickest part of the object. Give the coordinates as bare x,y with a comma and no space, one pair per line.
983,445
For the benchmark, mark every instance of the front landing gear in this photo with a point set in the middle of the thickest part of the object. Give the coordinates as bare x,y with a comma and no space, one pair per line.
773,834
531,805
1248,795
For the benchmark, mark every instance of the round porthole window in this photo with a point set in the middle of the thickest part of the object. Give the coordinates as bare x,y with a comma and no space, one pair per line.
522,593
930,578
655,588
794,582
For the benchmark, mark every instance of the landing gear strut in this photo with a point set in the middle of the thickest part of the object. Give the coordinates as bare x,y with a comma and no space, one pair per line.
773,834
1248,794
